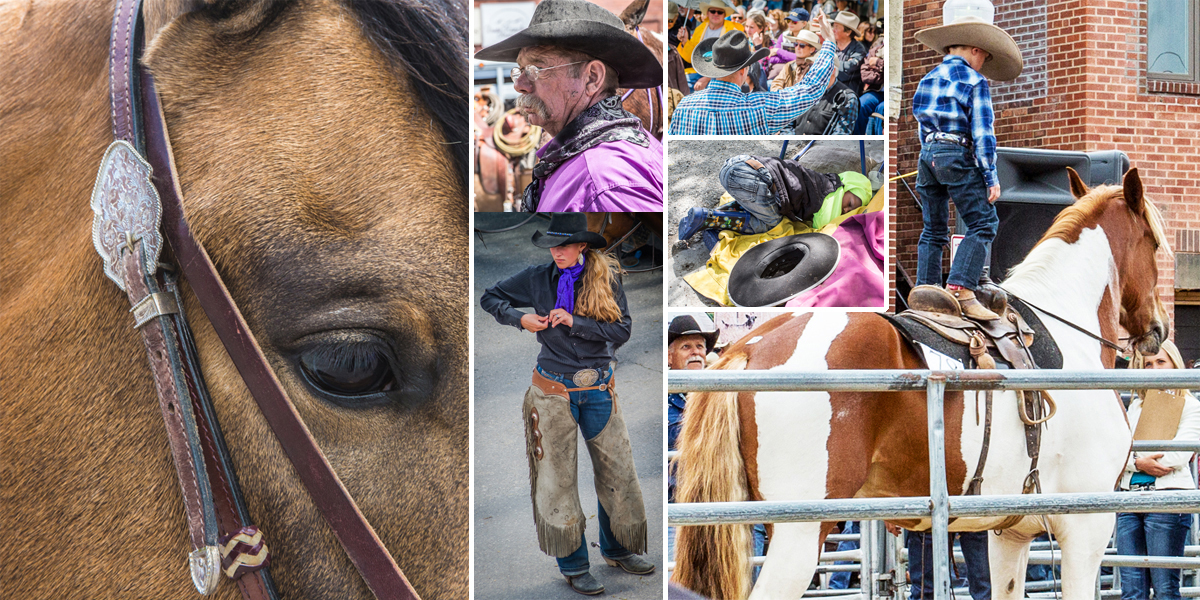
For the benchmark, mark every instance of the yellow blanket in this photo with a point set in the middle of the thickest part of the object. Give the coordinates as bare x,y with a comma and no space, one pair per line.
713,280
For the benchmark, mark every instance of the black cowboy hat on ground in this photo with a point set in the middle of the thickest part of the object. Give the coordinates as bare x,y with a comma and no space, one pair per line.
687,325
718,57
584,27
568,228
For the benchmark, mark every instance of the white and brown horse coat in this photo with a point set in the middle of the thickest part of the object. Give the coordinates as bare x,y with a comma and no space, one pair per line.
815,445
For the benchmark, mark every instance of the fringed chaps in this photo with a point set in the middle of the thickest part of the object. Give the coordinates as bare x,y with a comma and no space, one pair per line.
550,444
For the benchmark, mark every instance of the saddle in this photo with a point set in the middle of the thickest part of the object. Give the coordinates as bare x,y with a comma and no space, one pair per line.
1018,340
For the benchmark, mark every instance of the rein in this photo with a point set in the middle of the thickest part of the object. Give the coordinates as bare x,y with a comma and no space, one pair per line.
1112,345
649,91
136,172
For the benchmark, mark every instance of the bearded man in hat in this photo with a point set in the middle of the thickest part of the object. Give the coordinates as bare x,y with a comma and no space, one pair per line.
579,312
571,60
688,345
725,108
953,107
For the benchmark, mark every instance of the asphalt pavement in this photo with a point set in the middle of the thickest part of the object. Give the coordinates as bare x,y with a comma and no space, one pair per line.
507,562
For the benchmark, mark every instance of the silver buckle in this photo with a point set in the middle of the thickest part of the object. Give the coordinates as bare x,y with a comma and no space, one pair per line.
205,566
586,377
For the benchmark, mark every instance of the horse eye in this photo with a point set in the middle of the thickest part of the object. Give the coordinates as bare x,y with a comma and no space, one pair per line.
354,370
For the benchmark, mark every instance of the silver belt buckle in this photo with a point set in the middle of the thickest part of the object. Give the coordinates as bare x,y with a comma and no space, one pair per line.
586,377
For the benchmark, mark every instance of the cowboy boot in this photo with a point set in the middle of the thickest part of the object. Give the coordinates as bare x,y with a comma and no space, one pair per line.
698,218
991,295
971,307
932,298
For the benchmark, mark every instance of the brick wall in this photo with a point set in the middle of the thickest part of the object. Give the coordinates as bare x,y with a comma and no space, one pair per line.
1096,97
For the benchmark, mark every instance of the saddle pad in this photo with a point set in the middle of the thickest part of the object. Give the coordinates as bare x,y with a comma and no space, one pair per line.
1046,354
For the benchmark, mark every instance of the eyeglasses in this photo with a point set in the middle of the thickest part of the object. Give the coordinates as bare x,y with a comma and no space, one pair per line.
715,11
533,72
736,19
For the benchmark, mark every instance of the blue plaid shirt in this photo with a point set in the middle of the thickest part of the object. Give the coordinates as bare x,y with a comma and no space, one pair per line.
954,98
722,108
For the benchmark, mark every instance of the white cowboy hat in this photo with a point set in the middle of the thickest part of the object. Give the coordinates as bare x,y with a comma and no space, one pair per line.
849,20
1005,63
804,37
721,4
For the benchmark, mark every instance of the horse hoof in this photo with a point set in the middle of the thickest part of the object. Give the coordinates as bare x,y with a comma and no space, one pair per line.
774,272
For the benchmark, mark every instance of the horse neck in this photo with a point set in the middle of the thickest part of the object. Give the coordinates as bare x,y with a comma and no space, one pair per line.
1070,280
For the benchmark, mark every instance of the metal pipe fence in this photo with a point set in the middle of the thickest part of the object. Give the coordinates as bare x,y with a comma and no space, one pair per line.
939,505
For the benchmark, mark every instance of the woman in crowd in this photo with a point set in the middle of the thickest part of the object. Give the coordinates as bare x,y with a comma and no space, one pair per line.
871,96
783,51
1157,415
806,43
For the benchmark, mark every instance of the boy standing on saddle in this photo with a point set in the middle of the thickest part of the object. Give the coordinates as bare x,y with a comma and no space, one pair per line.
958,156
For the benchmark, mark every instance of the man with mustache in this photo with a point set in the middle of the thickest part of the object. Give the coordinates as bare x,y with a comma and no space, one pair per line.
571,60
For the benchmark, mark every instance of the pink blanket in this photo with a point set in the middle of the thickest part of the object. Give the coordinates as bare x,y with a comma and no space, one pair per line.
858,280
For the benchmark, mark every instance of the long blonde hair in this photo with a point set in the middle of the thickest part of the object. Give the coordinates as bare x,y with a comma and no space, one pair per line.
596,298
1138,361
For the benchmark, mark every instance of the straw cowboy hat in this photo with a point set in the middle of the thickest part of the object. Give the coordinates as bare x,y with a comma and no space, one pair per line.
1005,63
804,37
584,27
721,4
568,228
848,20
718,57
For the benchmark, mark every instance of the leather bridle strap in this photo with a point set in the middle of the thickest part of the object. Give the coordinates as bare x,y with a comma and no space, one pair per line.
135,99
1112,345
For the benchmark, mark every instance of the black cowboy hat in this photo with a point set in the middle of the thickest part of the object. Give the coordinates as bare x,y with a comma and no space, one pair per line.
687,325
718,57
568,228
585,27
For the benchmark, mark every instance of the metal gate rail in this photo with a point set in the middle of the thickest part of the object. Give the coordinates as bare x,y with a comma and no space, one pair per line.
938,505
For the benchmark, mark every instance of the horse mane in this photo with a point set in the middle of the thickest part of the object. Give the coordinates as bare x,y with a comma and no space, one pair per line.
1086,210
421,40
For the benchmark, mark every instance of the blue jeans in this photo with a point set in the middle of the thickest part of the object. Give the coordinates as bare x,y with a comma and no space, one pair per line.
920,563
752,189
759,534
591,410
866,106
1151,534
840,580
948,172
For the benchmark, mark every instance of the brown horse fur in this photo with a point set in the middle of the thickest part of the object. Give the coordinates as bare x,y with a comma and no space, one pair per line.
638,103
322,187
716,564
614,225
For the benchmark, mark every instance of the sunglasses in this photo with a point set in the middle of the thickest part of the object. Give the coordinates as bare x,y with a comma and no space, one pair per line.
715,11
736,19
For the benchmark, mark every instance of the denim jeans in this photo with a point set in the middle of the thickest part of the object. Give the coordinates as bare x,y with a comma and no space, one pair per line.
1151,534
947,172
867,103
591,410
752,189
920,563
840,580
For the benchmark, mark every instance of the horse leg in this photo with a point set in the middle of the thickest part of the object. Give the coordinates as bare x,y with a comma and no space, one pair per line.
1083,539
791,562
1008,553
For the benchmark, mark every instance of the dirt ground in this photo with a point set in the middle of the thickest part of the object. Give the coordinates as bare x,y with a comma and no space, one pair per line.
692,168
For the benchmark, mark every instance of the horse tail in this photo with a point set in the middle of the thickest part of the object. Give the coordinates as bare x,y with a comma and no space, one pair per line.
713,560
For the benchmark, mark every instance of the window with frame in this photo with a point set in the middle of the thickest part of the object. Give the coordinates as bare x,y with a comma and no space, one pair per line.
1172,31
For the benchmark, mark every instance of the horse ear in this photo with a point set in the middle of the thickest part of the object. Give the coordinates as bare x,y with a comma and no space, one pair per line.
1134,195
1078,188
634,13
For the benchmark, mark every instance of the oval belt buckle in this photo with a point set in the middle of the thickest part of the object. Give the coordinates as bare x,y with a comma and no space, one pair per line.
586,377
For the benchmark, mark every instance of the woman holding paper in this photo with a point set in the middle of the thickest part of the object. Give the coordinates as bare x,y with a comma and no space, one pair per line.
1157,415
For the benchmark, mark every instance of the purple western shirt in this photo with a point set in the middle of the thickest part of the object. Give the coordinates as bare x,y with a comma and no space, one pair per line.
611,177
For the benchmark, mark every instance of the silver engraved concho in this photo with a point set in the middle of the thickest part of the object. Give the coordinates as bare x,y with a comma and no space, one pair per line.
127,209
205,566
585,377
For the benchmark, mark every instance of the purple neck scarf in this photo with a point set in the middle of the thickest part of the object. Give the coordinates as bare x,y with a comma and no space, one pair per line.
566,286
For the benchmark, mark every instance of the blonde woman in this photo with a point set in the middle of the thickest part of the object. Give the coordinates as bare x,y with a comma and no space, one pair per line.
1157,415
579,309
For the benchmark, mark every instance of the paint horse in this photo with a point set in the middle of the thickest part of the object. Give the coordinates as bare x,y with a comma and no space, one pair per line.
305,134
1096,264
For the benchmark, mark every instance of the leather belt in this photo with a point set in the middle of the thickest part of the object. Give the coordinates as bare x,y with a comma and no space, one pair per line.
949,138
551,387
127,237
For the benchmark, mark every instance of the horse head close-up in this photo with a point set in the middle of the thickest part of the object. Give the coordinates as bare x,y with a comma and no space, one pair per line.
320,154
1092,274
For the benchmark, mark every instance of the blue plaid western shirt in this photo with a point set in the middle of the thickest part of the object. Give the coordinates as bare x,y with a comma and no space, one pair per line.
722,108
954,98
